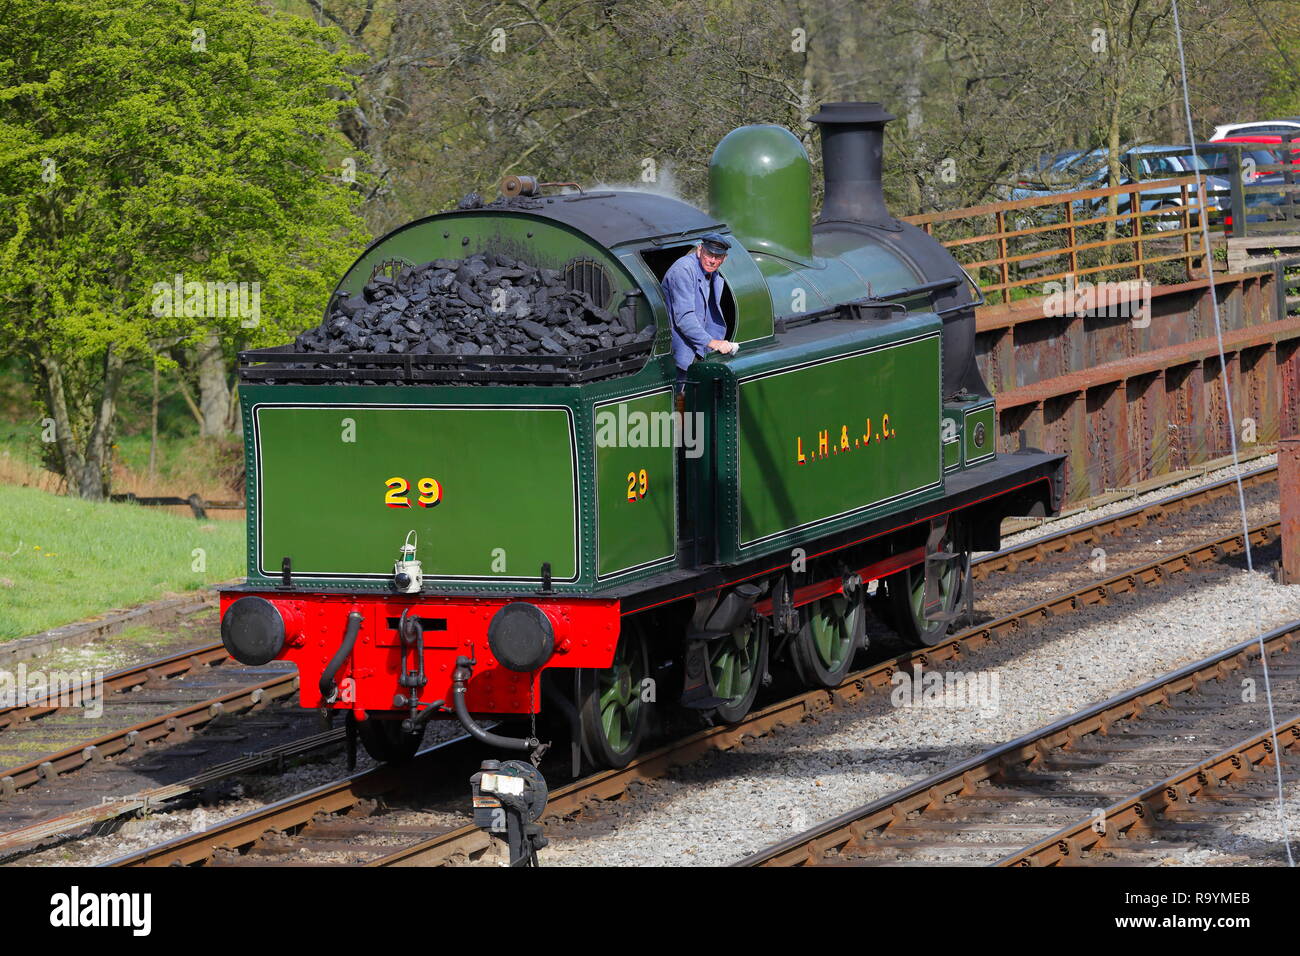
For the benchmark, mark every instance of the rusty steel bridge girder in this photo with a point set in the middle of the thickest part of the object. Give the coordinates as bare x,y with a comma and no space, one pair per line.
1127,401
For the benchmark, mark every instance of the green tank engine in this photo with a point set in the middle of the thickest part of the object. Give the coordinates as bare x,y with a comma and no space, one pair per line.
569,528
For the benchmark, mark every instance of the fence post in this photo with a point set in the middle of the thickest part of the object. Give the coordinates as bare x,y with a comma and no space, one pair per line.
1279,291
1288,175
1288,489
1004,272
1238,192
1135,213
1074,241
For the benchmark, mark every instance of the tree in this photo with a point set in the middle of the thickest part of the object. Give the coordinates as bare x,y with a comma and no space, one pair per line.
167,171
1280,51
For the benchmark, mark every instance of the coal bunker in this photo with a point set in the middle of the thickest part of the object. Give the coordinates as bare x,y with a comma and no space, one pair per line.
486,304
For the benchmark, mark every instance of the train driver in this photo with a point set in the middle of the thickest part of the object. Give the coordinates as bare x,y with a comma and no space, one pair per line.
693,290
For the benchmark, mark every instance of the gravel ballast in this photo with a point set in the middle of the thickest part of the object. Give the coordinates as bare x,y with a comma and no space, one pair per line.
733,804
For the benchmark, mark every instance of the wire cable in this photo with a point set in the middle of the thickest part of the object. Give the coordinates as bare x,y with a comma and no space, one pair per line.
1232,430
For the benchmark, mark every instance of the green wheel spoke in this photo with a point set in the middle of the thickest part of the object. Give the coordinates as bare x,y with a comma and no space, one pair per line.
611,722
832,631
949,581
722,672
618,696
735,671
918,594
733,663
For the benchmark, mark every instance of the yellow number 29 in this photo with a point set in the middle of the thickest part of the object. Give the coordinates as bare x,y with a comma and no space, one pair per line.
638,483
430,490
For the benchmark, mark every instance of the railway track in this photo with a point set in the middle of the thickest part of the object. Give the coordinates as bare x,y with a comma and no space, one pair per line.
98,818
41,726
1043,551
1032,554
121,681
276,831
336,811
1167,767
230,689
146,750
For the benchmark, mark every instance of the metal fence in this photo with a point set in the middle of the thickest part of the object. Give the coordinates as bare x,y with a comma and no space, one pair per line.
1012,245
1245,196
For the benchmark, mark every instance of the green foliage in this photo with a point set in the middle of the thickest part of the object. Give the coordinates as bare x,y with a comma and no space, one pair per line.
213,163
149,139
456,93
1280,63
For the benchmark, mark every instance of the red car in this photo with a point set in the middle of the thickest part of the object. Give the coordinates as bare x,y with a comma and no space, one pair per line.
1262,166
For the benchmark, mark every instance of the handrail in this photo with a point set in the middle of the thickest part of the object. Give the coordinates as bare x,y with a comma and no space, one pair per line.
989,209
1188,199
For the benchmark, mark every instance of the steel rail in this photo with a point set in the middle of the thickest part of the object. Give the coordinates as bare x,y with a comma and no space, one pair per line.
155,798
182,720
878,815
241,832
1141,811
117,682
1010,559
468,842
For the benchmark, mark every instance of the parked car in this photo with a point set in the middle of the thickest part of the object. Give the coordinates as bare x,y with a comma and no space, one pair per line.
1263,152
1256,128
1090,170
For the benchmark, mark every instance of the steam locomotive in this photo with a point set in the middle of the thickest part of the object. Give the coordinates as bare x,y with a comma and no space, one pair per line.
478,535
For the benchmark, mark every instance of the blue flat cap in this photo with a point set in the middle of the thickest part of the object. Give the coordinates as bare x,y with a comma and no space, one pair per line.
715,243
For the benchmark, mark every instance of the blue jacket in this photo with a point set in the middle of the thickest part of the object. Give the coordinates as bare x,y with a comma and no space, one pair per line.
695,305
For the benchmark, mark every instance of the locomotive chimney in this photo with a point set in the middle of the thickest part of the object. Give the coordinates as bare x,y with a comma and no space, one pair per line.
853,136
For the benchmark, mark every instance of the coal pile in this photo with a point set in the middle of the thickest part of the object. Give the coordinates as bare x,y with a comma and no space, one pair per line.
486,304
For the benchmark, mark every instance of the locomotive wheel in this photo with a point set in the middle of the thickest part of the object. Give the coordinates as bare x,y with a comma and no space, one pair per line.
736,666
822,651
385,740
907,596
614,715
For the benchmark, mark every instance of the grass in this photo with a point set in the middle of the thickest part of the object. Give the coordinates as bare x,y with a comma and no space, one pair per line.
63,559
